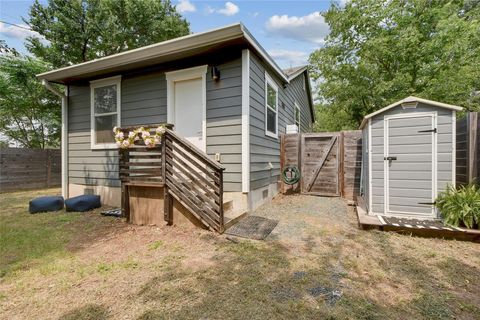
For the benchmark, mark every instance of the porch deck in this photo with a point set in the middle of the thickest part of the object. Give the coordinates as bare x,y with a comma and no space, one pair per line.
178,179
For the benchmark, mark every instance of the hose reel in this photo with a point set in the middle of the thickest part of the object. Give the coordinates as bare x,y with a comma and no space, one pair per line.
291,174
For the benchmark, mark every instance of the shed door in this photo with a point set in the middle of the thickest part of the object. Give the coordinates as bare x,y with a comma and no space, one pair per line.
409,162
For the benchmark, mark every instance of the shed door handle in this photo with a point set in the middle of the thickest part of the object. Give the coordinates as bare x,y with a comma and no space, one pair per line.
390,158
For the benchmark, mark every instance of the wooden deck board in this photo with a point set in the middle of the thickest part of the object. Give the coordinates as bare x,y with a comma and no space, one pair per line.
413,226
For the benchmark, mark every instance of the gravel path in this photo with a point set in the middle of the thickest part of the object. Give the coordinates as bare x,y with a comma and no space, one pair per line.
302,217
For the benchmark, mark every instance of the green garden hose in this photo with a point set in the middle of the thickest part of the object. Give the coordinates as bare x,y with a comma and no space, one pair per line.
291,175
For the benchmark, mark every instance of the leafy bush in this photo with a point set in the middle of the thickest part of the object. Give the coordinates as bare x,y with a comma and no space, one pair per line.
460,206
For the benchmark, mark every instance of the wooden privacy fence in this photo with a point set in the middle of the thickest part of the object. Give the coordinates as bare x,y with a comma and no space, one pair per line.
329,162
468,151
22,169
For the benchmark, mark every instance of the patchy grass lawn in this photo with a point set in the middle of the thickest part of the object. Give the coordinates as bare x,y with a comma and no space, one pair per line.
315,265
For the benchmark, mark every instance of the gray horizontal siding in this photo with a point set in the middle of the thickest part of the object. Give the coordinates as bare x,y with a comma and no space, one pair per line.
265,150
143,102
87,166
224,120
444,151
296,91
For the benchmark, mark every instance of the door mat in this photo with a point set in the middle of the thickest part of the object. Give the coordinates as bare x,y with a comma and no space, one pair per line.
253,227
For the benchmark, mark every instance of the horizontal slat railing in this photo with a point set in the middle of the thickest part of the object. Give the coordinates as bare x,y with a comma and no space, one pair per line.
194,180
141,165
187,174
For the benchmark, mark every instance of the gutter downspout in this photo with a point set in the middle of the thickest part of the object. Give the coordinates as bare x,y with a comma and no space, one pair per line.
64,143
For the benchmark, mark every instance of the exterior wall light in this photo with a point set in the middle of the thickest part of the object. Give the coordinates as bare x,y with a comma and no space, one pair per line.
215,74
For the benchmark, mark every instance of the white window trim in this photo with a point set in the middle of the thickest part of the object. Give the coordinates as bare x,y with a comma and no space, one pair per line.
199,72
269,80
297,107
97,84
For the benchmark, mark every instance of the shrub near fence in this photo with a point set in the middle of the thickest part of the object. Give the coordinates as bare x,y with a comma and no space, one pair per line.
22,169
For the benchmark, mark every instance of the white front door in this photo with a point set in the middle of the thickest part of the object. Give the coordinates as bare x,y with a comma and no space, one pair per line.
188,111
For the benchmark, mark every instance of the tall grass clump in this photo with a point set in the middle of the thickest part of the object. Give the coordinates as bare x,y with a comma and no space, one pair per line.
460,207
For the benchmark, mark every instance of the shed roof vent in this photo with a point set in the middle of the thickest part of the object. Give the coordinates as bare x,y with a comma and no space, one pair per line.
409,104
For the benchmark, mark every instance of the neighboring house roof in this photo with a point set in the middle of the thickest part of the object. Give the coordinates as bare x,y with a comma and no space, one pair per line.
294,72
161,52
410,99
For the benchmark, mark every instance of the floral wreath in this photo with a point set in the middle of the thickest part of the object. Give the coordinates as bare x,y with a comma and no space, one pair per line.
149,139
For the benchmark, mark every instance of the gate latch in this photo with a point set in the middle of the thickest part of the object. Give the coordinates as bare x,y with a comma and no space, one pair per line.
390,158
430,130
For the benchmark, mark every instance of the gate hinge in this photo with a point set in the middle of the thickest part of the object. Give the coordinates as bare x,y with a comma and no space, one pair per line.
428,203
431,130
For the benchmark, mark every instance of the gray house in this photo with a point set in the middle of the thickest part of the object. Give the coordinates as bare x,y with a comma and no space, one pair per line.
221,91
408,157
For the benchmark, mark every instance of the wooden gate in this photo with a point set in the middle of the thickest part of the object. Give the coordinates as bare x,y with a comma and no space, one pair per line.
321,168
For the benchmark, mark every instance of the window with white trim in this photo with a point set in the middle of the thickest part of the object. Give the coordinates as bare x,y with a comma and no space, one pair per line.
105,111
297,115
271,107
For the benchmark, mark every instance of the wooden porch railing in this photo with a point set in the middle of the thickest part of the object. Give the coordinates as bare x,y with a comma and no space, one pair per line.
194,180
187,174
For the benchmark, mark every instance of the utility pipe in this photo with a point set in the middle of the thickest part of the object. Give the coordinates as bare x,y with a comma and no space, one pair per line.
64,142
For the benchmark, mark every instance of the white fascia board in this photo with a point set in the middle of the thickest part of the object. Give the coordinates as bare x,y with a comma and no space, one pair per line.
153,51
169,47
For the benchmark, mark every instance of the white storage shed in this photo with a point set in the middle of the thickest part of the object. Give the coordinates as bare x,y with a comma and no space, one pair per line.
408,157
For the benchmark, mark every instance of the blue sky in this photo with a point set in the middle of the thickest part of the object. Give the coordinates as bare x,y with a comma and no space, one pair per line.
288,30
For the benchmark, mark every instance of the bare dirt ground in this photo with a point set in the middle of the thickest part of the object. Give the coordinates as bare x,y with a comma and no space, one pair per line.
316,264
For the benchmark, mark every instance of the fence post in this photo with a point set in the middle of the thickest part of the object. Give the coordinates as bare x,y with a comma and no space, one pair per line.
341,175
472,138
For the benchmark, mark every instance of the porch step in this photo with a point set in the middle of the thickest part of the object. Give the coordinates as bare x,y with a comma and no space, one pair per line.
232,217
227,205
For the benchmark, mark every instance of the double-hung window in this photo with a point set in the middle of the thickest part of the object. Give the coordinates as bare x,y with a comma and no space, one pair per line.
297,115
105,111
271,107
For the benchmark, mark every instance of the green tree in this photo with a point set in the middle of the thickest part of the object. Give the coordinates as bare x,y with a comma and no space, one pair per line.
378,52
29,114
5,49
81,30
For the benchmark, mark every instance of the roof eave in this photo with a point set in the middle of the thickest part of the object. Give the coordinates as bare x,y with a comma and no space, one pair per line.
297,73
168,47
165,48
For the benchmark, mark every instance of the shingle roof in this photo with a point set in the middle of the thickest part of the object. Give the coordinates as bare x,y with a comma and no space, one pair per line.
292,72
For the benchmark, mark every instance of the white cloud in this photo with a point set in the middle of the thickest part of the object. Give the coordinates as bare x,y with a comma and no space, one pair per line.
229,9
19,32
288,58
185,6
309,28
